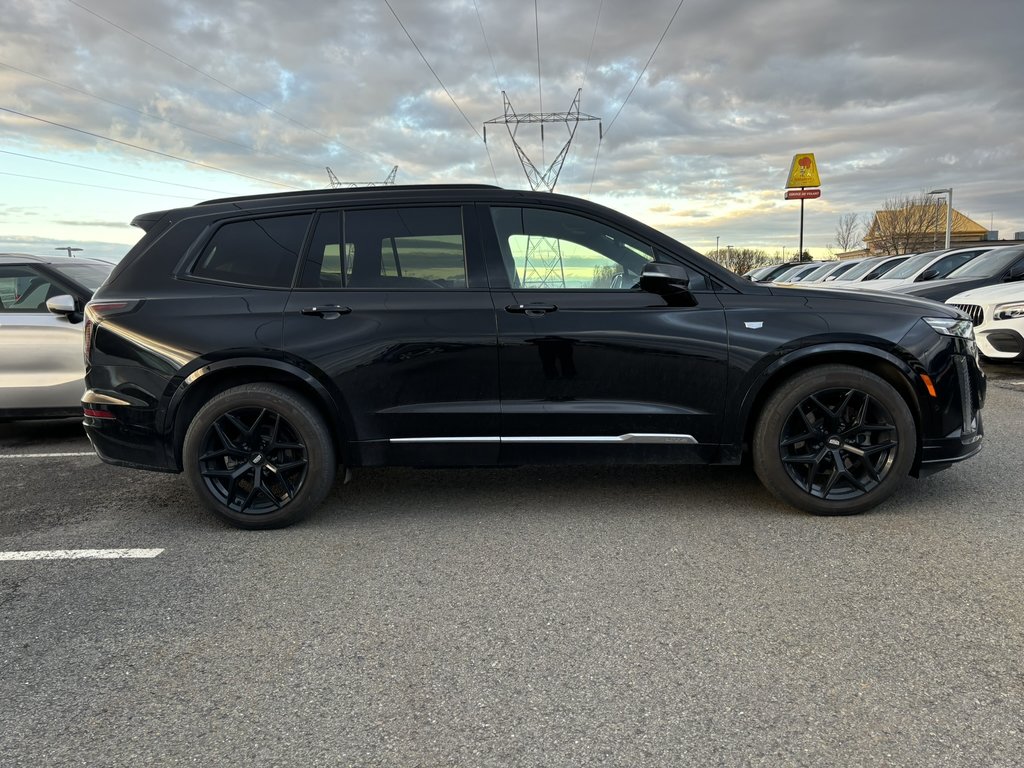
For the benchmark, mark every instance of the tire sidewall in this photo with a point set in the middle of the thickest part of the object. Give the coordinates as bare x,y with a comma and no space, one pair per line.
301,415
768,462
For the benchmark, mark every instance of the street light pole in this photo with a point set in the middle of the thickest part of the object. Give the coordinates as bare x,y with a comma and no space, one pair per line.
949,210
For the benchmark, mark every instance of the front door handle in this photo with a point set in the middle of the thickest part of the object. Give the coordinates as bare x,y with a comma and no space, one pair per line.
326,311
532,310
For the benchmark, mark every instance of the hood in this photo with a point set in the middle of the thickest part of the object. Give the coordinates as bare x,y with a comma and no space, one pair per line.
926,307
990,294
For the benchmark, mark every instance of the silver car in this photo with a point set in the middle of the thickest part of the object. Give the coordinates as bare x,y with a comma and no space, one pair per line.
41,303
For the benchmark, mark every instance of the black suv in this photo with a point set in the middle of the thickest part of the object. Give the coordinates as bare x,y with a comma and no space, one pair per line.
256,343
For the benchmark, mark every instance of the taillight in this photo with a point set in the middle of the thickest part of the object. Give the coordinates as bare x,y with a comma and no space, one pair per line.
95,313
97,413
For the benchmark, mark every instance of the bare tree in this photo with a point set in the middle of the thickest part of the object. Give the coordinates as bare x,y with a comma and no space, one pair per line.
904,224
741,260
849,232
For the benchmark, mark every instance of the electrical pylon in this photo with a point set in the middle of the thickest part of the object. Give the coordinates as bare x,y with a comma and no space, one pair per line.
542,266
335,184
570,119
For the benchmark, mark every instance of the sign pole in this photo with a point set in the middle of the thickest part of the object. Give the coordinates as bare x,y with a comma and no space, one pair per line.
800,253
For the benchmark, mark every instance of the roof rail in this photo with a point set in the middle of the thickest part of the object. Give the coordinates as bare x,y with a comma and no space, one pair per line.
391,189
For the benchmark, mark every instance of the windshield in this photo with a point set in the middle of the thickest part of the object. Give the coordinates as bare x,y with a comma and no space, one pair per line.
818,273
860,269
910,267
988,264
91,276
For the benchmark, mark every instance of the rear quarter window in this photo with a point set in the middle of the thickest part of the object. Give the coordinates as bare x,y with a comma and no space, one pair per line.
262,252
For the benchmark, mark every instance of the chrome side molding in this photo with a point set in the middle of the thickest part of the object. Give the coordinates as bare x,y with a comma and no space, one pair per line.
630,437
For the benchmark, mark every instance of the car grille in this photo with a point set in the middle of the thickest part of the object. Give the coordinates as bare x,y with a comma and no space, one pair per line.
973,311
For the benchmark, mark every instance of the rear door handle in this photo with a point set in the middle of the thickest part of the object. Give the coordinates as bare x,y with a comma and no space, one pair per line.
532,310
326,311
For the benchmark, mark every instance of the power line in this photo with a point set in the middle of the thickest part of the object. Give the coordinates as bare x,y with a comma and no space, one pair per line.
497,80
600,141
145,149
254,150
436,77
445,88
651,58
94,186
536,25
590,53
113,173
219,82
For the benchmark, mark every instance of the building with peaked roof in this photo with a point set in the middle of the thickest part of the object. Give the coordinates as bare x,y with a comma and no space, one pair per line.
916,228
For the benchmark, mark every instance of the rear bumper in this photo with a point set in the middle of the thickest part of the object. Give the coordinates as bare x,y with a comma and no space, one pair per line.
125,449
127,437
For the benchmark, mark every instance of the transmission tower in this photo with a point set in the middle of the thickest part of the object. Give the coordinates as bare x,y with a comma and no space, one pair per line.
543,266
335,184
570,119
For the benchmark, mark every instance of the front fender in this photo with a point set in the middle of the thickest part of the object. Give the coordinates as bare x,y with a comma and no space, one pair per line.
761,380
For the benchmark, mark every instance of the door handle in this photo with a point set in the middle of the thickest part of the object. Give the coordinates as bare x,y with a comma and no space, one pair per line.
326,311
532,310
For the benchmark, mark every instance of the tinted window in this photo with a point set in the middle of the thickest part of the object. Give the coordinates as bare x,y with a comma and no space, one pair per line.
257,252
90,276
947,264
552,249
323,267
989,264
22,289
406,247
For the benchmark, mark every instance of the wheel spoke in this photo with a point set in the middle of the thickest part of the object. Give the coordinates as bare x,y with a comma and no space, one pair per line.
798,439
253,461
853,466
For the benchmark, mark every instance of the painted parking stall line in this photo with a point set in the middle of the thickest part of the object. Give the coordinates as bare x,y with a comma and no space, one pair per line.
81,554
44,455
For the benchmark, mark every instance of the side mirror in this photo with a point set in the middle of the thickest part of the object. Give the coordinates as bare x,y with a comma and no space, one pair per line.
64,306
928,274
671,281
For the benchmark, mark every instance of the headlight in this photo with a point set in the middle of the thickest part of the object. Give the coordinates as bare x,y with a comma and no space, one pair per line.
1009,312
951,326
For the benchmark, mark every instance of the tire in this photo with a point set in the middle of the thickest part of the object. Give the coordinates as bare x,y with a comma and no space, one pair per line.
834,440
259,456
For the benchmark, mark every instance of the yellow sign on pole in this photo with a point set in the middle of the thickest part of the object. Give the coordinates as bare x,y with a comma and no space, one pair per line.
803,172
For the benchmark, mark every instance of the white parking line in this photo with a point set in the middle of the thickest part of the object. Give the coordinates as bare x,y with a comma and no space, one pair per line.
43,455
80,554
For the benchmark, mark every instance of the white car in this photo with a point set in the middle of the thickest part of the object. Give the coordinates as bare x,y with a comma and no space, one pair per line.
41,303
997,312
923,266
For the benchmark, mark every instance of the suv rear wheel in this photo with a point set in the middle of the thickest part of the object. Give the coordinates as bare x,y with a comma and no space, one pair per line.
834,440
259,456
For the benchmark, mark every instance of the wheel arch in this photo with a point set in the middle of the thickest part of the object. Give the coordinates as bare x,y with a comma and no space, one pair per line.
208,380
892,369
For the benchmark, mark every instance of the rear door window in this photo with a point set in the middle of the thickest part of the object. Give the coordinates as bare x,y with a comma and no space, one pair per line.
415,247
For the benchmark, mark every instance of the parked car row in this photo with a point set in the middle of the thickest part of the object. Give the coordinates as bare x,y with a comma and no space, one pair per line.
985,282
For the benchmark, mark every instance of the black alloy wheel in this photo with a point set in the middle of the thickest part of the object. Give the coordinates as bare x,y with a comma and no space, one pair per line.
259,456
835,440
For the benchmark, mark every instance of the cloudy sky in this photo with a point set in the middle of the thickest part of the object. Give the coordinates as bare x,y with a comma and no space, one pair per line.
112,108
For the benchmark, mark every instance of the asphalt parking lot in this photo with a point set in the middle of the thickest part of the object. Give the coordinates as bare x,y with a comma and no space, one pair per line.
535,617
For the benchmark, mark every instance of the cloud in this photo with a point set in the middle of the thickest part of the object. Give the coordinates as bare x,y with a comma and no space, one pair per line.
887,99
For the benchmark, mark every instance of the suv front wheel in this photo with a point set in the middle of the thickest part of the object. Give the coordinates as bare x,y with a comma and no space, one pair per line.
834,440
259,456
